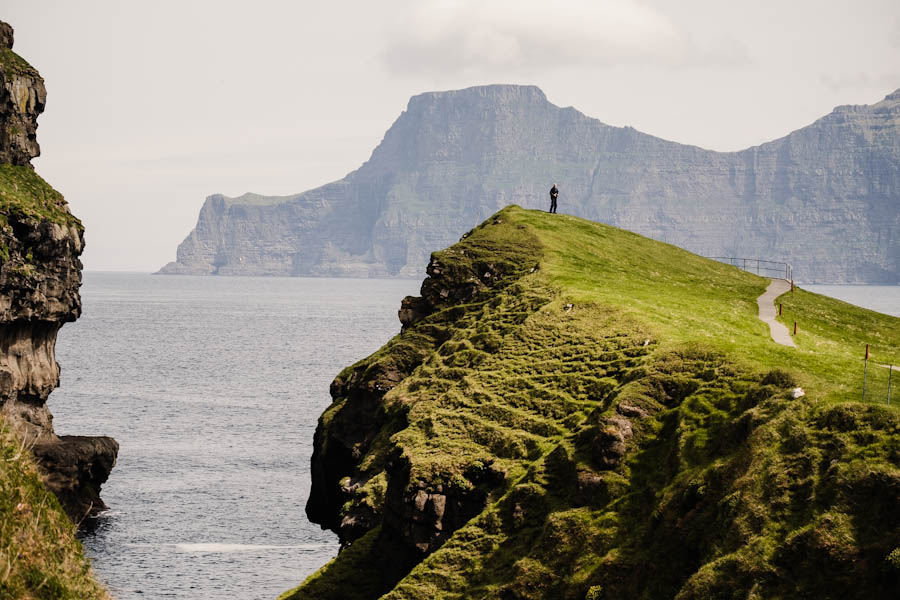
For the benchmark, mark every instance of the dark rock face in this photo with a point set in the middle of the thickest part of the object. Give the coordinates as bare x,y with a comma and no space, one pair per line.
40,273
609,445
824,198
416,516
6,35
76,467
22,99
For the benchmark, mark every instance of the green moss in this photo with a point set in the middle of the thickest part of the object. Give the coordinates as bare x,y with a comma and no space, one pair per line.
24,194
39,554
629,423
10,62
350,576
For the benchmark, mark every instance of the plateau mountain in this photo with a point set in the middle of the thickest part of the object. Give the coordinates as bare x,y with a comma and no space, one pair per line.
825,198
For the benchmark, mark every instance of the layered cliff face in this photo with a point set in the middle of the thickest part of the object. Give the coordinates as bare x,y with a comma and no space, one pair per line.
22,97
824,198
40,273
573,411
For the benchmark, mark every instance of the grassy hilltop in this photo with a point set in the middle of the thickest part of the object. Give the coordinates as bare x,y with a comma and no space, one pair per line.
575,411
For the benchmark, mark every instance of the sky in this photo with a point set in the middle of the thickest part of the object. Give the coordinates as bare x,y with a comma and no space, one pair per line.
154,105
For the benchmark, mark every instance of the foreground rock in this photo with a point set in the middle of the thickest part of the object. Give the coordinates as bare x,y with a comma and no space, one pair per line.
40,273
823,197
572,411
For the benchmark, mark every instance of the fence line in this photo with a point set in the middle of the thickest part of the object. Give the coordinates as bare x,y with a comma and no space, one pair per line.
877,385
769,268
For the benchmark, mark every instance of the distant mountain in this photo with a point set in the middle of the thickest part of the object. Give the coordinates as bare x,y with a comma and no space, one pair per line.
825,198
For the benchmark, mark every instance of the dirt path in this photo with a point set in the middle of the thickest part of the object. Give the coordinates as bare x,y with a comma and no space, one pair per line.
766,304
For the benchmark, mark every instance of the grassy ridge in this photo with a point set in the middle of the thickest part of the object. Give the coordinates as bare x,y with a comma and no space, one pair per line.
40,558
637,424
10,62
689,298
25,194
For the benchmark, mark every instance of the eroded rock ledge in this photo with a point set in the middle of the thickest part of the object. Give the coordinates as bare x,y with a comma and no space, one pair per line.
40,273
547,445
362,483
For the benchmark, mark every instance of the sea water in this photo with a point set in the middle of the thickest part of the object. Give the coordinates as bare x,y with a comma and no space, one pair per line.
213,386
881,298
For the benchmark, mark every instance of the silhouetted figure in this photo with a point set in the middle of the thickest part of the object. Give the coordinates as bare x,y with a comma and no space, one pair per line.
553,194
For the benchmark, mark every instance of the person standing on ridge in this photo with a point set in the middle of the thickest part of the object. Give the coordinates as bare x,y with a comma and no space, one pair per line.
553,194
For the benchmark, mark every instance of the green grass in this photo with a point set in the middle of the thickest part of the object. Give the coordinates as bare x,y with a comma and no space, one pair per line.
10,62
40,558
25,194
354,565
687,297
612,420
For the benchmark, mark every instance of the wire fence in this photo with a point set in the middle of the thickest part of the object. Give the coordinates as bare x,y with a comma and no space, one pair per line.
766,268
878,381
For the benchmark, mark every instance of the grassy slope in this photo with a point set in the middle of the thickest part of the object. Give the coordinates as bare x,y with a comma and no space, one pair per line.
721,486
40,558
688,298
25,194
10,62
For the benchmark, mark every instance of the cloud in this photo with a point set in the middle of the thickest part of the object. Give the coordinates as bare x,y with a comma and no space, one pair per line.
464,36
863,81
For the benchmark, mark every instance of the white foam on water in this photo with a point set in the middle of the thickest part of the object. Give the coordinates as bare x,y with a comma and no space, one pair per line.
213,547
219,547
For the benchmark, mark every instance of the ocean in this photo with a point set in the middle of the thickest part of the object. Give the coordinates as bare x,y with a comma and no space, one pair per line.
213,386
882,298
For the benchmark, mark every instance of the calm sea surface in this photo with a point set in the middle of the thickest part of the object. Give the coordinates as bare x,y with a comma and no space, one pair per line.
883,298
212,386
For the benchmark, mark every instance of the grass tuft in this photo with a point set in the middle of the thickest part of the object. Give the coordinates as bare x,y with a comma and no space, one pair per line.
40,558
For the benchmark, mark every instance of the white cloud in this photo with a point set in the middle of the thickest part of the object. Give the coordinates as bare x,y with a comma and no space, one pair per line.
466,36
862,82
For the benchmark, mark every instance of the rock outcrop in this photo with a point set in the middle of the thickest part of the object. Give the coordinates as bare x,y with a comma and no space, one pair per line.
573,411
40,273
22,99
824,198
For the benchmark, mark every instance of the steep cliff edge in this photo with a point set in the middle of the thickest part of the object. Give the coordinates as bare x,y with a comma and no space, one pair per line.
574,411
824,198
40,273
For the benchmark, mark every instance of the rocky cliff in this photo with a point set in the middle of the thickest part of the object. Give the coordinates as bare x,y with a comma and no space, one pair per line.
40,273
572,411
825,198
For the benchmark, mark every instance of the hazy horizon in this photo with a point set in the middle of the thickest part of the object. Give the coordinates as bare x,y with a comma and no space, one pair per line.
153,107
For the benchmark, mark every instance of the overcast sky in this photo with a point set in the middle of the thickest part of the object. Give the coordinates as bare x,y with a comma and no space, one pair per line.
154,105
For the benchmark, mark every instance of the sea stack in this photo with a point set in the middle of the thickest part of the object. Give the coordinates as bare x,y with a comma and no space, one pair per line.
40,274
